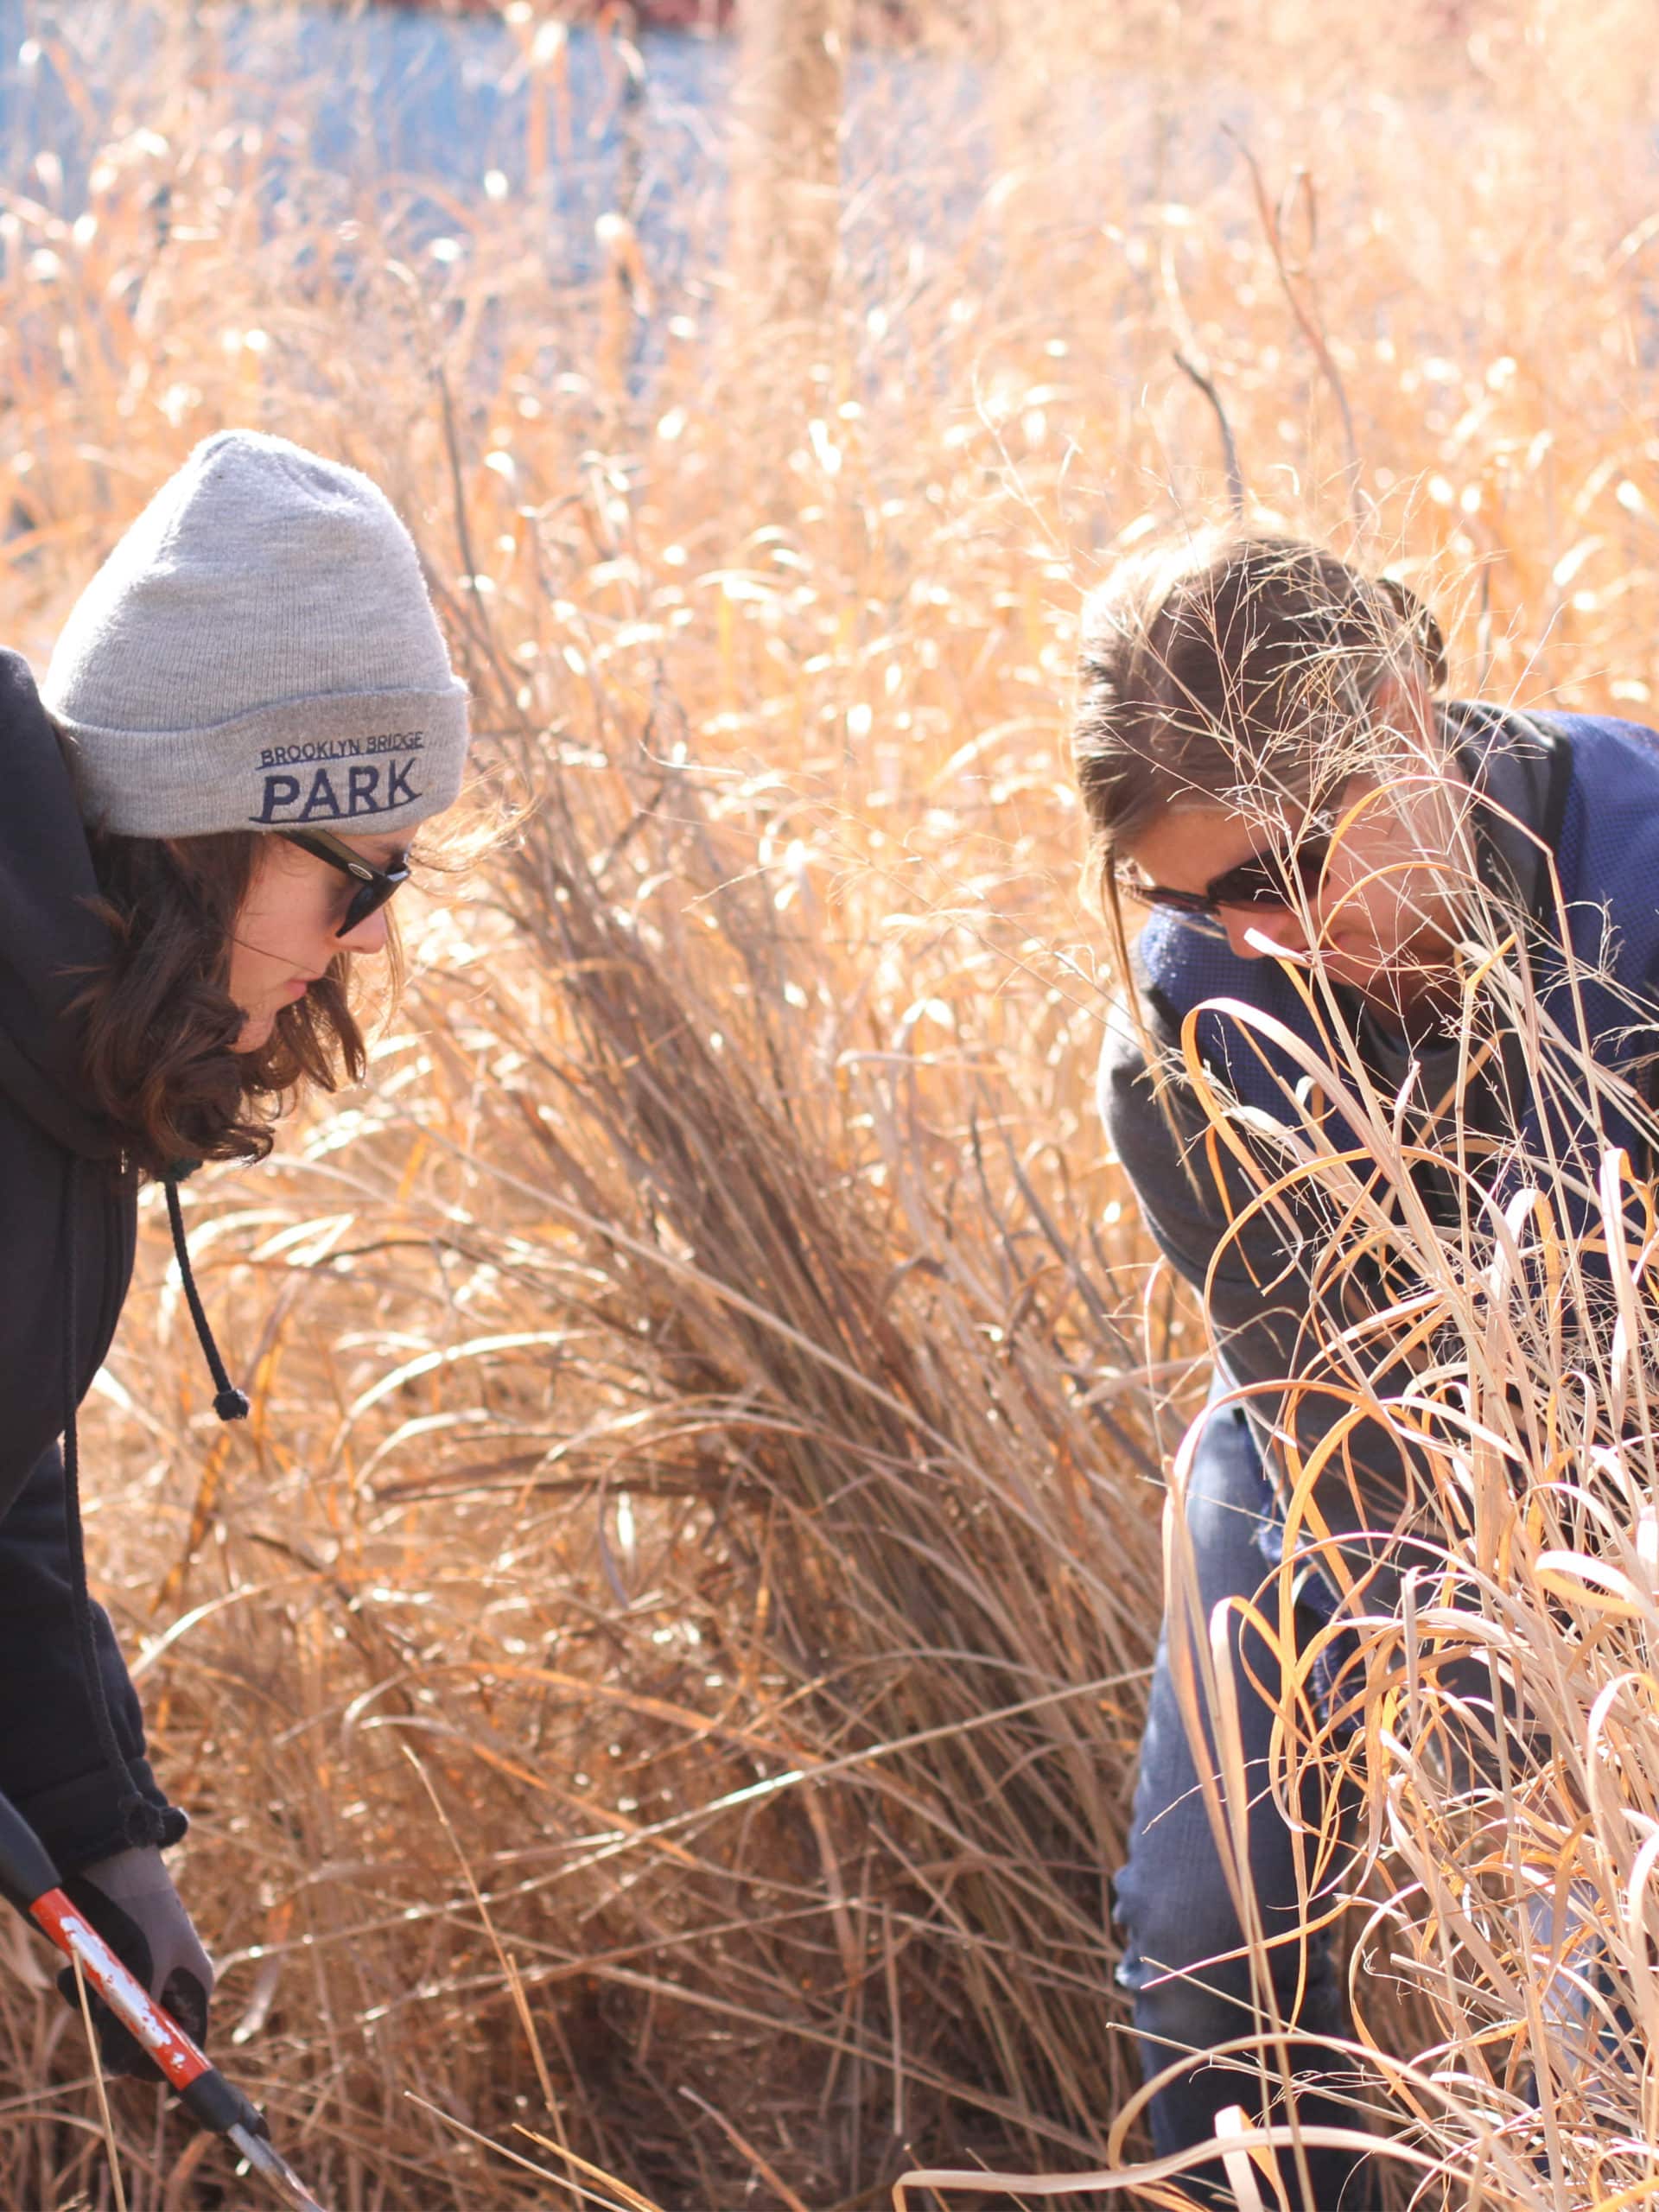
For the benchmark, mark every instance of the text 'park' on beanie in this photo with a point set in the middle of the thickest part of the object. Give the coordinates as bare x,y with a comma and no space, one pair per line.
259,651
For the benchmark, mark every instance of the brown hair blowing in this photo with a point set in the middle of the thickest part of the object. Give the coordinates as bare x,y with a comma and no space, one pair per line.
1238,670
160,1024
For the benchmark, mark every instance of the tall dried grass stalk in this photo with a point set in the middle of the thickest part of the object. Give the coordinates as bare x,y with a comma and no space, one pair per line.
785,143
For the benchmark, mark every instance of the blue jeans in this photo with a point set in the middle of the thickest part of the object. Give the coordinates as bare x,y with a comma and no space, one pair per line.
1170,1899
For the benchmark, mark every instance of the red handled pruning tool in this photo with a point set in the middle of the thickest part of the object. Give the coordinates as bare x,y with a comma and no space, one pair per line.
30,1881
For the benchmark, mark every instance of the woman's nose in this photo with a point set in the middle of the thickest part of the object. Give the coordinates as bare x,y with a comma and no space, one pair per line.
369,936
1282,923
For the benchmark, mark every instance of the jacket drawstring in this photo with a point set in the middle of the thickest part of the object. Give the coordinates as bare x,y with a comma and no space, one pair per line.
138,1818
231,1404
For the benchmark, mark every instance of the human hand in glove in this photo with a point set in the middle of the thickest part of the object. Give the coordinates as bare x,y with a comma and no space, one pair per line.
130,1900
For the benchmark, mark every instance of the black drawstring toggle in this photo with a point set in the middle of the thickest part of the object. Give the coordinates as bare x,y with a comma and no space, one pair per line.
140,1825
229,1403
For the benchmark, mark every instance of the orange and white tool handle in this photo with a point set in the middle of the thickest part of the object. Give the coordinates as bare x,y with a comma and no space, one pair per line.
30,1881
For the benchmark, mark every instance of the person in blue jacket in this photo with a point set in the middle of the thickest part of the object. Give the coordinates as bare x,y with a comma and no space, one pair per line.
1269,766
205,807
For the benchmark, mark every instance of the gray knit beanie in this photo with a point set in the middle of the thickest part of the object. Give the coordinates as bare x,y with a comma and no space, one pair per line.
259,651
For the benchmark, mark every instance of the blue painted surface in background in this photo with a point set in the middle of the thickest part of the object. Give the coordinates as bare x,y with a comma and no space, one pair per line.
417,108
413,107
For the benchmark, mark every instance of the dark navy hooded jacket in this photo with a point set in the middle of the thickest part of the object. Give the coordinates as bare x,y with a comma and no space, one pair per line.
67,1216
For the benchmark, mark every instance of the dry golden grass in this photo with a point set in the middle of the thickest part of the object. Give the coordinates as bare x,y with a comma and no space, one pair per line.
661,1668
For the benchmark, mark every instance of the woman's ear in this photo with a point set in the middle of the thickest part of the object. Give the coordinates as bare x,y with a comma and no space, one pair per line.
1402,701
1423,632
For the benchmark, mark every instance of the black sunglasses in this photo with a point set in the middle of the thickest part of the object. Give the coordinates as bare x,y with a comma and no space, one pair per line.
374,884
1275,878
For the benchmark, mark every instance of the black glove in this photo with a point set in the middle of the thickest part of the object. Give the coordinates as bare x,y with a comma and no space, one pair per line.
130,1900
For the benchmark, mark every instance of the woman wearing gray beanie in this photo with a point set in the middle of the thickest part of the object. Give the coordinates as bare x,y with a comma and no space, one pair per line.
206,808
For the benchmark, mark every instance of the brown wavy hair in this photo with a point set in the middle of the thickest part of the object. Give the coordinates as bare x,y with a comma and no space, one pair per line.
1231,668
1226,666
159,1024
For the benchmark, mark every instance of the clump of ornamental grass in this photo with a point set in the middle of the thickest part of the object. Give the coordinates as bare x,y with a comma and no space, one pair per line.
1473,1393
1493,1714
661,1668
